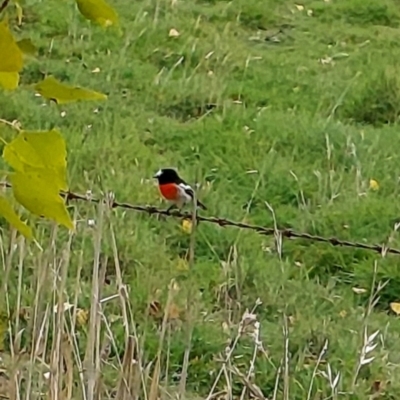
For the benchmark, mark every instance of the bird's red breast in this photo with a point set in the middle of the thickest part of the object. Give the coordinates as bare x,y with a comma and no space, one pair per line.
169,190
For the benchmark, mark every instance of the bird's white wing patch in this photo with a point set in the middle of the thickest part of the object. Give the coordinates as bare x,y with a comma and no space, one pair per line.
187,191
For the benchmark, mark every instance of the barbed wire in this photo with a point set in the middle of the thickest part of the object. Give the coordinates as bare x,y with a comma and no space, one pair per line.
223,222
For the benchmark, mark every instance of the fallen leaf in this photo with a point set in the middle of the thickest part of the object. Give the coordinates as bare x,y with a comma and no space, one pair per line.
82,317
182,265
326,60
173,33
187,226
373,184
359,290
395,307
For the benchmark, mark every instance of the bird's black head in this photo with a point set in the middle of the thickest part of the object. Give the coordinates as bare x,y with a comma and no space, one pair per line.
167,175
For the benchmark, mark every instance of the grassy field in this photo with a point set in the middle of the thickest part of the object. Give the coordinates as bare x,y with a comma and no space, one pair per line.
268,105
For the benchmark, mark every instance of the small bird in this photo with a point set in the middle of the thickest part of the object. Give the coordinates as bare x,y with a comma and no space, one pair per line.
173,188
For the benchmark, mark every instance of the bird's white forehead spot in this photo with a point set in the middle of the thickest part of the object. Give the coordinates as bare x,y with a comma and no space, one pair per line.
158,173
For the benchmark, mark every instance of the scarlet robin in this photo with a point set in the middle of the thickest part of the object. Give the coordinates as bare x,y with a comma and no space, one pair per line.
174,189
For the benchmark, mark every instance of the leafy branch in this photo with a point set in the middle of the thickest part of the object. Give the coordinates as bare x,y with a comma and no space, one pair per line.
38,159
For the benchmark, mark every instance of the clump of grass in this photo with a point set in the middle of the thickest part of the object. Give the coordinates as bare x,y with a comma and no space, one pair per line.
376,101
360,12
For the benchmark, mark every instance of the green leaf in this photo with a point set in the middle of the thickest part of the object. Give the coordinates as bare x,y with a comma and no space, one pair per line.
11,216
27,47
9,80
98,11
11,55
40,196
52,89
43,152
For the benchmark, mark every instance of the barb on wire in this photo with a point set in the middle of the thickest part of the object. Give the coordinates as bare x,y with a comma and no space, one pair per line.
262,230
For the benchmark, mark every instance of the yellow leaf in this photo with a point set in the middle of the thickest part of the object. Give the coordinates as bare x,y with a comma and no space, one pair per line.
373,184
358,290
395,307
9,80
40,196
98,11
182,265
39,151
173,33
11,216
187,226
52,89
27,47
82,317
11,55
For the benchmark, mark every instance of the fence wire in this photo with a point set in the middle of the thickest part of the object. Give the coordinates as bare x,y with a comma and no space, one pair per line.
223,222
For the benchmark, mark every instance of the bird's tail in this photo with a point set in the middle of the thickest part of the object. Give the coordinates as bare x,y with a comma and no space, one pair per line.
201,205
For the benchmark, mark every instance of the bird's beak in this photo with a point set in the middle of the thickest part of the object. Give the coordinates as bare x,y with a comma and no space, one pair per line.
157,175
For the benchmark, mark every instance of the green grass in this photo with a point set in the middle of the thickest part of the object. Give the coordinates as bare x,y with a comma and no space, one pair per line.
309,100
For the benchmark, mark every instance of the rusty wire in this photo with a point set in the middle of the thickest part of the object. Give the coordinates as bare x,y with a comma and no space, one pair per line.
223,222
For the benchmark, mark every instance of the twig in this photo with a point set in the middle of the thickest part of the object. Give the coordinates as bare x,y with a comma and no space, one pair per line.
189,306
286,384
230,349
15,124
92,352
315,371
